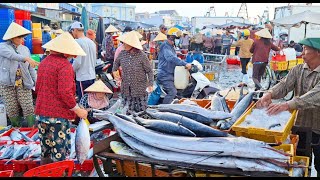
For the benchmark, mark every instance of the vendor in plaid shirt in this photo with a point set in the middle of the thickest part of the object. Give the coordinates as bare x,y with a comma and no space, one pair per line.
304,80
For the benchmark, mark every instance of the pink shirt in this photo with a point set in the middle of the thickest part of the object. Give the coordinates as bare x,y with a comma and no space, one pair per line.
118,50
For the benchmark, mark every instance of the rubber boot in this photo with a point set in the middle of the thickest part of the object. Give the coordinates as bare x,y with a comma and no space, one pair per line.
31,119
16,121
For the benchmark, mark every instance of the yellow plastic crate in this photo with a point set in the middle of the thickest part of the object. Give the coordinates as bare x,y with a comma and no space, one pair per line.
36,30
261,134
305,159
204,174
292,63
209,75
300,61
287,148
279,65
205,103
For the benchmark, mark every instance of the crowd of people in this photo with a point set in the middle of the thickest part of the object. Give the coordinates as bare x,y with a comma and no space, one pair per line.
67,71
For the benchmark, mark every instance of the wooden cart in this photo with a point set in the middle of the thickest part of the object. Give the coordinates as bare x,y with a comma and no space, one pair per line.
115,165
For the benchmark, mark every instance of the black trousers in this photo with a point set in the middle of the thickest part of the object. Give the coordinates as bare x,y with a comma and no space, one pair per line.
244,62
217,50
315,149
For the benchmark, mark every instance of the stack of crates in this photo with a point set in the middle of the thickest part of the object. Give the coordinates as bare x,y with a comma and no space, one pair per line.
7,17
36,31
28,38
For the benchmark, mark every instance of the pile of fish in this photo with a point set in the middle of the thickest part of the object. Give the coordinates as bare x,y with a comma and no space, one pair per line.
17,151
260,119
17,135
29,148
175,141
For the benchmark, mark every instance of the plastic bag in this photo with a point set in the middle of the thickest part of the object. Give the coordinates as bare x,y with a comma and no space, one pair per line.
154,97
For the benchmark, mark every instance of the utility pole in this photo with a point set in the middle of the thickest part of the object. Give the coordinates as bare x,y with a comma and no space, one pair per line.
243,11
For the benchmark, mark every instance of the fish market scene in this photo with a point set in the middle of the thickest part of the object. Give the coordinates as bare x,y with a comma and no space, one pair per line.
159,89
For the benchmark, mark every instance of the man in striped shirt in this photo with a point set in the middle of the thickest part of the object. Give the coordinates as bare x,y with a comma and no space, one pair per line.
304,79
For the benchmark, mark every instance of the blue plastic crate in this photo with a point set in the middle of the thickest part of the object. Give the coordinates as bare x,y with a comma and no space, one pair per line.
27,24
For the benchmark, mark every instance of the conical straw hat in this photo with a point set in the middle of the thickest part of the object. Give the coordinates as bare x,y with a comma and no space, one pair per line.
138,34
65,43
46,28
98,86
131,39
143,42
111,28
160,37
59,31
15,30
264,33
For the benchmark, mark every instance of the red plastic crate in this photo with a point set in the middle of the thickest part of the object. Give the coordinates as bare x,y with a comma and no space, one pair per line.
4,166
24,165
8,173
33,131
23,15
87,165
232,61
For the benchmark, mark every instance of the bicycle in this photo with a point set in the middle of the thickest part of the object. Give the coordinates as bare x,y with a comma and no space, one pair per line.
272,77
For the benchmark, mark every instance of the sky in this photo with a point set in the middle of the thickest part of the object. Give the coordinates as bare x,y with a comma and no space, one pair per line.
200,9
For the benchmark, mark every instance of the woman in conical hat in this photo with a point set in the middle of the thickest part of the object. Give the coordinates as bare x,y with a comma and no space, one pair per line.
17,75
108,49
261,49
56,105
46,36
137,72
95,98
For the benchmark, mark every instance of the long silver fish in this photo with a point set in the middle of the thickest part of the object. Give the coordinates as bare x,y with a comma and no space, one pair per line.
220,146
199,129
115,106
90,153
125,117
7,153
82,141
196,109
73,146
36,152
236,112
25,137
35,137
192,115
19,151
224,162
31,147
15,135
241,95
218,102
165,127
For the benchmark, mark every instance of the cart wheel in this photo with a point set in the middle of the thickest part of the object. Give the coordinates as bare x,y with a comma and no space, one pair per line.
266,79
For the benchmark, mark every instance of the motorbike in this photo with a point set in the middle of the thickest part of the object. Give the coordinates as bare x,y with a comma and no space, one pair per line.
199,86
107,78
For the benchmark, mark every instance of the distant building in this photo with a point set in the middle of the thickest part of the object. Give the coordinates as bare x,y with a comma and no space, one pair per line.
120,11
167,17
144,15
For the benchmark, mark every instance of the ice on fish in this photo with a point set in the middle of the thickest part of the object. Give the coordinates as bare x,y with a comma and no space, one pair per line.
188,102
260,119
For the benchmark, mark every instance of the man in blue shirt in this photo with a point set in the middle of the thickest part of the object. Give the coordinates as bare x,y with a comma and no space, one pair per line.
46,37
168,60
227,40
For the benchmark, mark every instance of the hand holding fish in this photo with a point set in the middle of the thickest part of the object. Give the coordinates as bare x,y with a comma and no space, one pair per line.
81,113
265,101
274,109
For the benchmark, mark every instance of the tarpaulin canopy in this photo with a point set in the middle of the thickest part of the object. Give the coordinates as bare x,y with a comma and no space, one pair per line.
179,27
296,20
85,19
